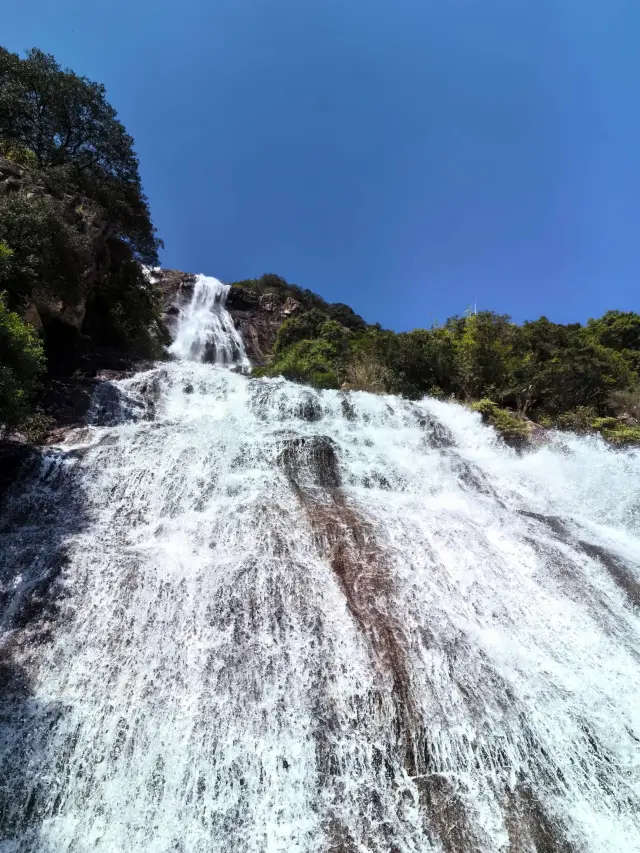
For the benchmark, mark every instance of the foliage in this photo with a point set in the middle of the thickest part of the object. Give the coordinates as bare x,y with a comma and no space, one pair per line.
79,145
18,153
125,310
36,426
300,328
510,427
483,351
47,253
622,434
567,376
21,364
346,316
365,372
312,362
580,419
620,331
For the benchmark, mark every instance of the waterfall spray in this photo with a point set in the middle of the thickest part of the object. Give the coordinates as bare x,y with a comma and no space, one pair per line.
243,616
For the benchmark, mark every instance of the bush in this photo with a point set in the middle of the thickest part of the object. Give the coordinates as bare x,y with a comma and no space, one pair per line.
21,364
305,327
509,425
310,362
578,420
364,372
622,435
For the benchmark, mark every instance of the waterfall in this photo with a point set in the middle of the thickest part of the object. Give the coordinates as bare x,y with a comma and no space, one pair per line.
243,616
205,330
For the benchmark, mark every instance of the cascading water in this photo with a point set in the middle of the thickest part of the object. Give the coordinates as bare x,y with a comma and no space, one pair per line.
241,616
205,330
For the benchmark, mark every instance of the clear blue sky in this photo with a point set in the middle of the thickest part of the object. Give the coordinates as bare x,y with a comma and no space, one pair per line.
403,156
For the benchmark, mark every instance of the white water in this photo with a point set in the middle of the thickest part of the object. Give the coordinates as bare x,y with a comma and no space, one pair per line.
205,330
253,652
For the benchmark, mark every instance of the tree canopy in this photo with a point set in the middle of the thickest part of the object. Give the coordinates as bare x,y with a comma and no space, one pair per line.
570,375
64,125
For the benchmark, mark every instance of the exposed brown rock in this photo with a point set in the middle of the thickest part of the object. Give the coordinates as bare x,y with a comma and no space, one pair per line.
258,316
360,566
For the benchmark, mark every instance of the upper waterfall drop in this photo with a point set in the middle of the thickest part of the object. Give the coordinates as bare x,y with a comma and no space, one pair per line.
205,330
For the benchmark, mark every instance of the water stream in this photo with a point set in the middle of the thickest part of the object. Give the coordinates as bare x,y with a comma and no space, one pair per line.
242,616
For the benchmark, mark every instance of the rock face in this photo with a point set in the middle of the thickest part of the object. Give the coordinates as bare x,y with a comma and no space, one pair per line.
257,316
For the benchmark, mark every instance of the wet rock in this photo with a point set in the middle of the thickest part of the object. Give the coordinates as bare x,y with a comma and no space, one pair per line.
621,574
438,434
311,460
347,408
530,827
446,815
555,524
309,408
14,458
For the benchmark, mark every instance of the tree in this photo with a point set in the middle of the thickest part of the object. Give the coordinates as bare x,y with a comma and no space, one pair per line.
618,330
48,253
21,363
483,353
77,141
582,374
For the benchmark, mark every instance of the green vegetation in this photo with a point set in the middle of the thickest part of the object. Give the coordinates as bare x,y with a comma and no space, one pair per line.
511,427
64,125
583,378
75,226
21,365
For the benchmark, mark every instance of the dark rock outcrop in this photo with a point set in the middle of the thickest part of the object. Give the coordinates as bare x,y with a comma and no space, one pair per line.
13,456
258,316
176,288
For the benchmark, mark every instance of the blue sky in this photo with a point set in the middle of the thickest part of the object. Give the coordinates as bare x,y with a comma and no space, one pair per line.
408,157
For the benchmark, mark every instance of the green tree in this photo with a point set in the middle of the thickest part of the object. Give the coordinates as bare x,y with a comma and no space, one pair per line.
581,374
484,350
77,141
49,254
303,327
310,361
420,362
21,363
620,331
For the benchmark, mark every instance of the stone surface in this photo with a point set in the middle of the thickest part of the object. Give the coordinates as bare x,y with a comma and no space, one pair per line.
258,316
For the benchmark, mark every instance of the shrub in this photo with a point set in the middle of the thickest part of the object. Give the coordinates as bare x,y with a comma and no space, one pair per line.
21,364
364,372
578,420
305,327
510,427
622,434
625,403
310,362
